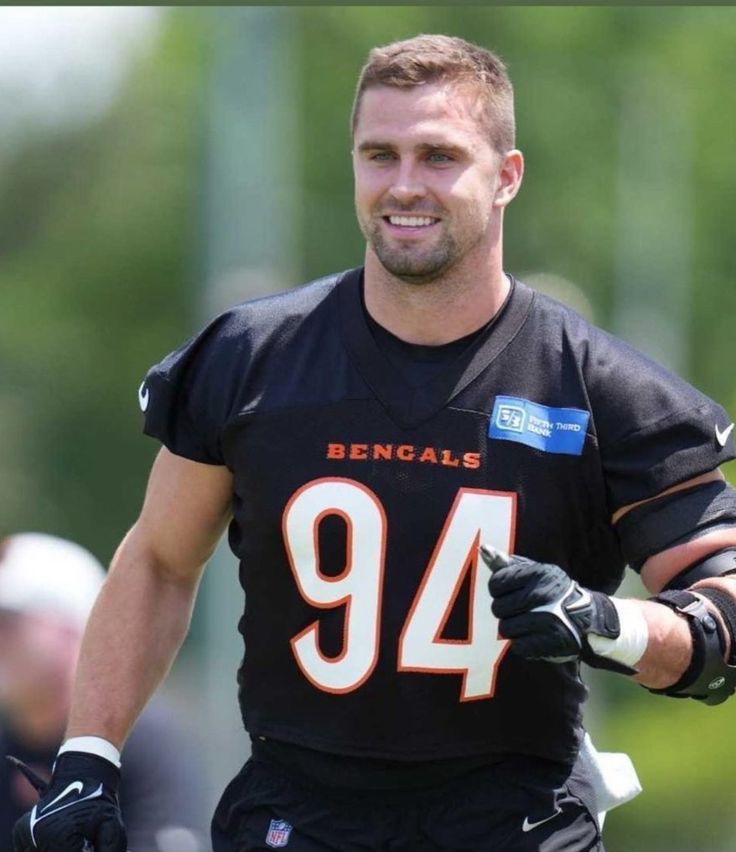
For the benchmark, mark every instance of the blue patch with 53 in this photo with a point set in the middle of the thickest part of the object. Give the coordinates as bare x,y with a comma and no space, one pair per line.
552,430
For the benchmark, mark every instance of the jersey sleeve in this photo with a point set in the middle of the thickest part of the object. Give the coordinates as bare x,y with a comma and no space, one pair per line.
188,397
654,429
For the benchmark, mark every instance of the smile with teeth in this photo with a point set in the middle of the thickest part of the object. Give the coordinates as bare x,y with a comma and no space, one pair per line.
412,221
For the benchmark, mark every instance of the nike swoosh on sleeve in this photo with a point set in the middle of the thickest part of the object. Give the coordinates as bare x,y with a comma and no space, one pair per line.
143,395
722,435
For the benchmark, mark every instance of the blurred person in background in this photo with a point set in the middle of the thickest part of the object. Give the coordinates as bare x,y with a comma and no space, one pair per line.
47,589
363,436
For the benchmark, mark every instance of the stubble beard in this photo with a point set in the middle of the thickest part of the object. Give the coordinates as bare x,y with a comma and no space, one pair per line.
412,264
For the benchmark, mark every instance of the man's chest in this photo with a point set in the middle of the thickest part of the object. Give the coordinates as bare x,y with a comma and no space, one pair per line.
351,460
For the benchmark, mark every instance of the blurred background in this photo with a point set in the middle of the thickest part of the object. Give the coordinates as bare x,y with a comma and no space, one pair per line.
159,164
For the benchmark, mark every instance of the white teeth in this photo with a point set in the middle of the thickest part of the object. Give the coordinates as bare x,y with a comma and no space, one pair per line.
412,221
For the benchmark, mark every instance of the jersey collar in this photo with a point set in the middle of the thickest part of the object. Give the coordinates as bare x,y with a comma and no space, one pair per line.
409,406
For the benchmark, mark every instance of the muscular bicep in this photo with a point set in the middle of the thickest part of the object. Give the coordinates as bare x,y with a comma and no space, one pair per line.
710,476
660,568
185,511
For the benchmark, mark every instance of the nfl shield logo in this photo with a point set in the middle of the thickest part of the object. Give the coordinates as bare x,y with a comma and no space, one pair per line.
278,833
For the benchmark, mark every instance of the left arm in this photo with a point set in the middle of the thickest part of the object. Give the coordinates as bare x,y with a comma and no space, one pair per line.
670,646
548,616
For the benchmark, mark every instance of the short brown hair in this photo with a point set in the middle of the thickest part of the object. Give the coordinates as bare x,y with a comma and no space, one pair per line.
439,59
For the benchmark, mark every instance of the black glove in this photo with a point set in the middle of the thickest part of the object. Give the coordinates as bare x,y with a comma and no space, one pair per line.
546,614
78,810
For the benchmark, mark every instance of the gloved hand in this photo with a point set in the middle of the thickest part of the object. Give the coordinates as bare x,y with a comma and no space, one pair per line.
546,614
78,810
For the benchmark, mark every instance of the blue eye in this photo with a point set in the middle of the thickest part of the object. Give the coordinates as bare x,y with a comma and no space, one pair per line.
439,157
382,156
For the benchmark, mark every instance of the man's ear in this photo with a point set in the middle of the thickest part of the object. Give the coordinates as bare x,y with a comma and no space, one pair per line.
510,173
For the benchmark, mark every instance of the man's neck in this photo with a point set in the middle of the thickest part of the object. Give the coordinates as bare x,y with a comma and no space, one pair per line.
436,312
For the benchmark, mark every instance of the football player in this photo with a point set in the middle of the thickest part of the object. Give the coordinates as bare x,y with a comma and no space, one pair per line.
363,436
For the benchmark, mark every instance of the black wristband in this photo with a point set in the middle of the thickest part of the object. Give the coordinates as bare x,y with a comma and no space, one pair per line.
726,606
708,678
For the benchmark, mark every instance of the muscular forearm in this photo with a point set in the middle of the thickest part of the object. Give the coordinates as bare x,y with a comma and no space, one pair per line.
137,626
669,649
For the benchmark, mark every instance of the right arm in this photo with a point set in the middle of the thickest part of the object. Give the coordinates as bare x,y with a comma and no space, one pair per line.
143,612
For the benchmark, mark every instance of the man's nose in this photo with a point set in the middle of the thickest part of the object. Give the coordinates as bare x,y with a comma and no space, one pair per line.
407,184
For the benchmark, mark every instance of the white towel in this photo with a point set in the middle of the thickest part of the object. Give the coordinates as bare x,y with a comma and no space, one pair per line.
612,775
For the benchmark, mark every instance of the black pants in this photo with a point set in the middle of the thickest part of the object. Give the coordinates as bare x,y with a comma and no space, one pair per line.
518,805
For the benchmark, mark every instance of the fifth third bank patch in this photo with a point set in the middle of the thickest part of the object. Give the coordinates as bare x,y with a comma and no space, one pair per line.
552,430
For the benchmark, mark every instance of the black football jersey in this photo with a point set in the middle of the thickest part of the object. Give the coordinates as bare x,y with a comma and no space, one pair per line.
359,503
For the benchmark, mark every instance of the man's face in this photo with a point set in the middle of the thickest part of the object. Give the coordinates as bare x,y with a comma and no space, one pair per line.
426,177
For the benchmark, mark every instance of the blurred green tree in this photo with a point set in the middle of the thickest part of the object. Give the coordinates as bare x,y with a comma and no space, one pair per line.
96,233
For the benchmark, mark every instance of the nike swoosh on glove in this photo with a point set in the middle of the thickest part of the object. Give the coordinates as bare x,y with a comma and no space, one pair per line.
78,810
546,614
